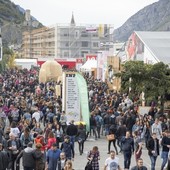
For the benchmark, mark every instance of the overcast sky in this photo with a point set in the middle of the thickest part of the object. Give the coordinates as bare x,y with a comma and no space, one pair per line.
116,12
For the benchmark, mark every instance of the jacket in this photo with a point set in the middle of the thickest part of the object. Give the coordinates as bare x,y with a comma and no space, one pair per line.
18,148
40,164
40,139
137,168
72,130
59,165
52,158
81,134
4,160
29,157
127,144
150,146
68,149
50,142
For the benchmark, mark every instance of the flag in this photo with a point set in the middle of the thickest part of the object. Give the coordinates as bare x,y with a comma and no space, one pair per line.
83,96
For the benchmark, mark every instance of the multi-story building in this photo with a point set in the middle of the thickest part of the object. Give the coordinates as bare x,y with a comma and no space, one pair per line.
66,40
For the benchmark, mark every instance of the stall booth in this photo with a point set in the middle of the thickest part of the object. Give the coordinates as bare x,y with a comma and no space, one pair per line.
90,68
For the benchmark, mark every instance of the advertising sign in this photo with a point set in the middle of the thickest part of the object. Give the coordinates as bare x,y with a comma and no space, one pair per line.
72,98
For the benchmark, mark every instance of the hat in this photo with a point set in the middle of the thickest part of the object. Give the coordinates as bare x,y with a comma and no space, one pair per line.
30,144
54,145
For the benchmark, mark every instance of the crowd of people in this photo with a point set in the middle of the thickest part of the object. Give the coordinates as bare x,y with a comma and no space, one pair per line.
34,127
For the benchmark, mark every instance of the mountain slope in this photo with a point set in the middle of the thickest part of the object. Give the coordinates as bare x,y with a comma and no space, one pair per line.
154,17
11,22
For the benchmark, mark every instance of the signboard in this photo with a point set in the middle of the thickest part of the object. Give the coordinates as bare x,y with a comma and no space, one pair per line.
72,101
91,57
143,110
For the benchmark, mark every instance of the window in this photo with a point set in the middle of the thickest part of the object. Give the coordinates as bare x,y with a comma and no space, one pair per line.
84,43
95,44
83,52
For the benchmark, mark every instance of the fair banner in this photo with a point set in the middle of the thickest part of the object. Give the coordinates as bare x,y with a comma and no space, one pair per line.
83,93
72,101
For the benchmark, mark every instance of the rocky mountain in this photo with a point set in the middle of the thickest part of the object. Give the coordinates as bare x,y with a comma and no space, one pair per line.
12,24
154,17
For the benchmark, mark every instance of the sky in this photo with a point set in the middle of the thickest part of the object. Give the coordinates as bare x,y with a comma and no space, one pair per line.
116,12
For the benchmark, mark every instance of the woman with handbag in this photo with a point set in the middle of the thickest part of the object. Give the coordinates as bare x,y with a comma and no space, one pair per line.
93,157
112,139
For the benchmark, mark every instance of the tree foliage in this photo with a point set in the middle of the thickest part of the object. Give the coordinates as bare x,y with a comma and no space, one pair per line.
7,59
153,80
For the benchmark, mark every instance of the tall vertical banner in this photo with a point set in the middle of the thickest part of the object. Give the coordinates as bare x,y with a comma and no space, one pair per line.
72,101
83,93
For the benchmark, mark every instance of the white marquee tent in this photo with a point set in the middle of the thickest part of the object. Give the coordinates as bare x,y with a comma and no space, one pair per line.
89,65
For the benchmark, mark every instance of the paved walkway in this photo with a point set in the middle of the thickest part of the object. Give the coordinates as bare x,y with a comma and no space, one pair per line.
80,161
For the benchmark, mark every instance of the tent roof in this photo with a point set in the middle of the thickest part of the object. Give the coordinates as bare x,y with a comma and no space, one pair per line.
89,64
158,43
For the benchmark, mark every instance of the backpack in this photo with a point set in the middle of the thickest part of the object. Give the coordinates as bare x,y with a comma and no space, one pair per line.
26,140
112,120
38,140
99,120
50,116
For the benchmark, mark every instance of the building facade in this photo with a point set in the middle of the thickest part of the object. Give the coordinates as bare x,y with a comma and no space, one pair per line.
66,40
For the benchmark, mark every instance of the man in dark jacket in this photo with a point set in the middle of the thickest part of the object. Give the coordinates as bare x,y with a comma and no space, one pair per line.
165,148
67,148
29,157
127,144
72,132
153,150
4,159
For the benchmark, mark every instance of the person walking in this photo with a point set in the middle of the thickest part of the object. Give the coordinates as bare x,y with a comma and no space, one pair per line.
53,156
153,150
165,148
93,125
94,157
157,129
127,144
112,162
112,132
13,147
51,140
139,165
26,137
28,157
63,121
67,148
72,131
40,162
137,145
62,161
121,132
81,136
4,158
